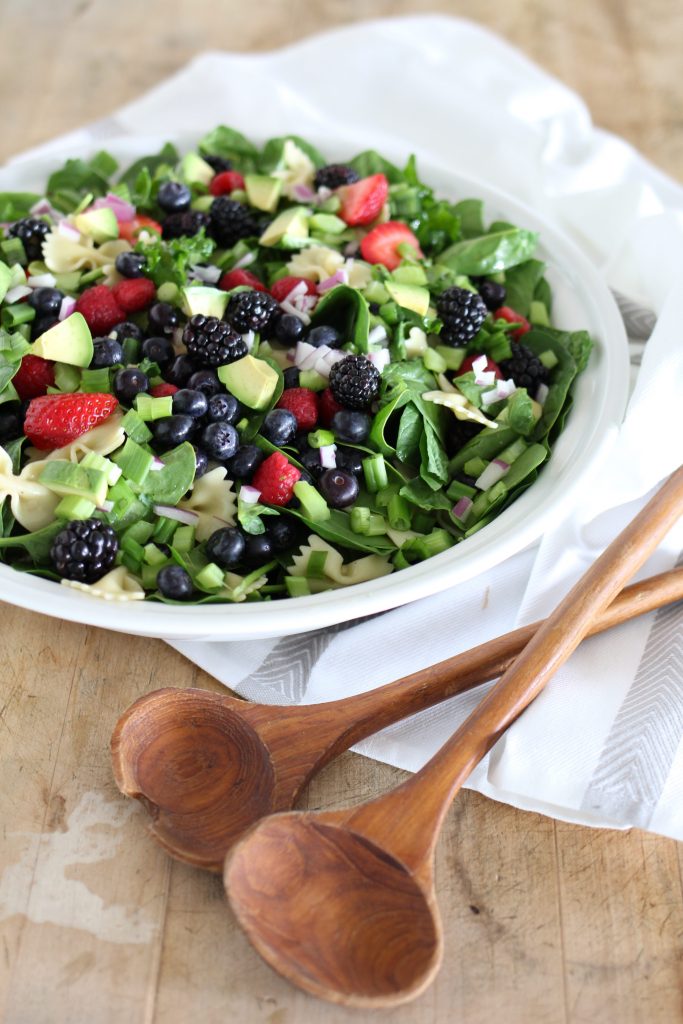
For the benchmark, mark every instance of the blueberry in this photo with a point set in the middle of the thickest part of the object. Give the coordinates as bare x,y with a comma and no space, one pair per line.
130,264
174,197
175,583
190,402
350,460
245,462
173,430
46,301
493,294
279,427
158,350
283,533
42,324
202,462
338,488
226,547
180,371
258,548
300,442
128,383
206,381
163,318
224,409
291,377
310,459
106,352
351,426
10,426
127,329
325,335
289,329
220,440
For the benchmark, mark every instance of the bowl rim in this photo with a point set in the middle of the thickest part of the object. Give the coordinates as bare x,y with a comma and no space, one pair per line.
581,446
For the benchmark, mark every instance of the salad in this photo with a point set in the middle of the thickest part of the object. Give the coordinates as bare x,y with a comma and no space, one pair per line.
247,373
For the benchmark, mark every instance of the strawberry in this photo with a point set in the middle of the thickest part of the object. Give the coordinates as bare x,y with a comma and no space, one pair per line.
381,244
100,309
130,229
362,201
163,390
34,377
53,421
225,182
135,295
468,363
328,407
275,479
303,403
512,317
281,289
233,278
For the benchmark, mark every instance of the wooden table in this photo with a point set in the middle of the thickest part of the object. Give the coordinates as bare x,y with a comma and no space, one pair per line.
544,921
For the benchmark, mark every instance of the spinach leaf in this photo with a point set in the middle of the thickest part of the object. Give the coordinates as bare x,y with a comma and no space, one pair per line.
231,145
13,449
8,367
408,374
490,253
381,420
272,156
580,345
15,205
70,184
539,340
249,516
337,530
36,545
346,309
168,485
6,518
520,414
471,214
419,493
409,433
370,162
167,155
543,294
521,283
485,445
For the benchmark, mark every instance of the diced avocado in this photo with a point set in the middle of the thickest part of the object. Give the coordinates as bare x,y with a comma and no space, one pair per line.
410,296
195,171
69,341
434,361
289,229
312,380
100,225
263,192
252,381
202,203
328,223
205,300
5,280
68,478
410,274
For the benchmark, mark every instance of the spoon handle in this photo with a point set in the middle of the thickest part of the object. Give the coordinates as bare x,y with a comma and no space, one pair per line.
421,803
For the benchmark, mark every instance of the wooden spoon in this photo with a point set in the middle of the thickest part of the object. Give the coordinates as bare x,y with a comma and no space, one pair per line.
207,766
342,903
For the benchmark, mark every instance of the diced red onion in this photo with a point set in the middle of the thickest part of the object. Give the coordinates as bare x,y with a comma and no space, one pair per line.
181,515
67,307
17,293
542,393
328,456
377,335
42,206
380,359
249,338
503,389
302,351
245,261
339,277
306,303
293,311
322,367
300,288
323,193
310,359
494,472
351,249
479,364
485,379
209,275
303,192
106,506
462,509
157,465
333,355
123,211
42,281
67,230
248,494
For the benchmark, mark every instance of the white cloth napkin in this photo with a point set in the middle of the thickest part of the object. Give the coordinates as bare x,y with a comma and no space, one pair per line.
603,744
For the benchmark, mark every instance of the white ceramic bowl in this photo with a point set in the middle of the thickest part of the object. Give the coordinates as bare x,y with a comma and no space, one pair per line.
581,300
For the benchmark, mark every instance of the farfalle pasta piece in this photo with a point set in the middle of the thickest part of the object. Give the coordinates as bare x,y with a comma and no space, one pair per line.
330,571
102,440
32,504
214,501
316,263
459,406
299,170
62,255
117,585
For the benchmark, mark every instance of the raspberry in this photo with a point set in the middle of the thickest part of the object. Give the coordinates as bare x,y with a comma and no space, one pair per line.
328,407
100,310
234,278
34,377
303,403
163,390
281,289
225,183
53,421
275,479
512,317
135,295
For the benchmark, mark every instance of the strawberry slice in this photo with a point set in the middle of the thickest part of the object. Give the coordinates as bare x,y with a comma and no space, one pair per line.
53,421
468,363
363,201
281,289
130,229
225,183
381,244
513,317
233,278
34,377
163,390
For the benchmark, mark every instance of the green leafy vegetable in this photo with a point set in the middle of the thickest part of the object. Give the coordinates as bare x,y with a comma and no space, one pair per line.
490,253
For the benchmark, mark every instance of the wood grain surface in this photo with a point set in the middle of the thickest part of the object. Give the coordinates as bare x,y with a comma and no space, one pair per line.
543,921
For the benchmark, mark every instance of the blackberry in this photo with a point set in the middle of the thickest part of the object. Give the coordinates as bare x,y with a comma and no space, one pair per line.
462,313
31,231
186,223
459,432
229,221
212,342
84,550
525,368
219,163
335,175
253,311
354,382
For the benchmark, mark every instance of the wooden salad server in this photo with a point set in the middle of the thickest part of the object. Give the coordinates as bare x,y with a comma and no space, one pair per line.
208,766
343,903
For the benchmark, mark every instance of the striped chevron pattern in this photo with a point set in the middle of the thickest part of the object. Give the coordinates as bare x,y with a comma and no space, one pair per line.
639,323
639,751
